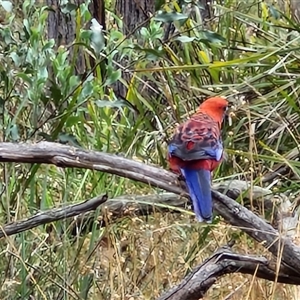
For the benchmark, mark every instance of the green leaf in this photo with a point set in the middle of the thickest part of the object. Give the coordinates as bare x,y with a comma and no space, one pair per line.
107,103
16,59
213,37
25,77
117,103
27,29
7,5
274,12
170,17
14,131
72,120
68,8
56,94
116,35
48,45
85,34
185,39
144,32
42,73
46,201
159,4
84,11
88,89
151,53
97,37
66,138
113,77
46,136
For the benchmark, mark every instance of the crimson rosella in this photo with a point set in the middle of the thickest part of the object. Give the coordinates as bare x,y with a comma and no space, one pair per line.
196,149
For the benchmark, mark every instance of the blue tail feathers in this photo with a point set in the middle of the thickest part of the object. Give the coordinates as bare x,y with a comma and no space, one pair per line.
198,183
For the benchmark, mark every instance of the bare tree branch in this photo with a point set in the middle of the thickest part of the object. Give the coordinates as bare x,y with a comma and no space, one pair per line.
52,215
67,156
237,215
223,261
230,210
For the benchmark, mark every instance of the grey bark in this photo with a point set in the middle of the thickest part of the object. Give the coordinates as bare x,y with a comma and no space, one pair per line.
62,28
224,261
135,14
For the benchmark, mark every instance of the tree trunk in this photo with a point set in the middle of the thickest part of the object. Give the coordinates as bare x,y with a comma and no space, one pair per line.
62,28
97,9
206,9
135,14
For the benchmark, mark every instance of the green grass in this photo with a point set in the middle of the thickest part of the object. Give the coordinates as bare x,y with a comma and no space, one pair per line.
249,53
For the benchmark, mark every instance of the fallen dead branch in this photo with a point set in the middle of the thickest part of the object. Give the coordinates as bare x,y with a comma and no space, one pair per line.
223,261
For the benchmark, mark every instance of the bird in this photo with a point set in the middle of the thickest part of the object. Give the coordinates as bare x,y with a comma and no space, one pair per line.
196,149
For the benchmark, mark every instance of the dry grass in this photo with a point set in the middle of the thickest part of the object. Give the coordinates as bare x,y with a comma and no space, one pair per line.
138,258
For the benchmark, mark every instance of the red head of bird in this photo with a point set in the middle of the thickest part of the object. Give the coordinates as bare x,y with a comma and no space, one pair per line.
215,107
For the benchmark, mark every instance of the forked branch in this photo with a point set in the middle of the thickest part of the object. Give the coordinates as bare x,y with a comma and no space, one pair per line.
223,261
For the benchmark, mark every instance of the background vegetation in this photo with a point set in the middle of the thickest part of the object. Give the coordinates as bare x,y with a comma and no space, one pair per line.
248,51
